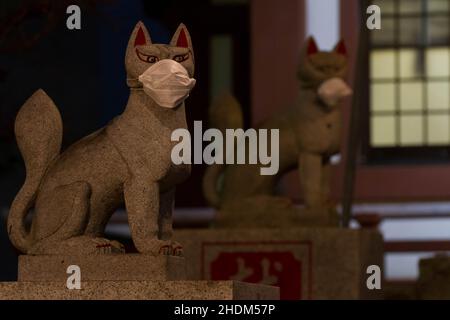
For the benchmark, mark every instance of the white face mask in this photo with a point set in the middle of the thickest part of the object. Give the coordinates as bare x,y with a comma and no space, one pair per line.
167,83
333,90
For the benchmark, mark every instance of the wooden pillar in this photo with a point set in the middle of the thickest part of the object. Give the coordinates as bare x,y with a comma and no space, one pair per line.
277,33
349,25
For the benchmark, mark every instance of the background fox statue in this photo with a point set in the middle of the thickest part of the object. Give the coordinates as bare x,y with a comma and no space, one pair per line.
309,136
74,193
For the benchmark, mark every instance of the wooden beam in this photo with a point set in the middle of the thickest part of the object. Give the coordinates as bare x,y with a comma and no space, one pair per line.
354,132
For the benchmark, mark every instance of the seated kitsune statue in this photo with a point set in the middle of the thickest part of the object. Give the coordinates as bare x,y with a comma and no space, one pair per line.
74,193
309,134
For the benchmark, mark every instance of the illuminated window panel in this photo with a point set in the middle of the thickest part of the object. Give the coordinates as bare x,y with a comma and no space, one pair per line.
438,130
438,30
382,96
438,95
411,130
409,63
438,5
410,31
386,35
409,93
410,6
383,131
382,64
386,6
437,62
411,96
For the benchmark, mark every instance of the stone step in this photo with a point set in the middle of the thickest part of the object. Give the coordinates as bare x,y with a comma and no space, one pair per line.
138,290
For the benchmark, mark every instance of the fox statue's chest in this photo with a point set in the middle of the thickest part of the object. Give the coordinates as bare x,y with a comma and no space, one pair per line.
175,175
332,132
146,149
322,134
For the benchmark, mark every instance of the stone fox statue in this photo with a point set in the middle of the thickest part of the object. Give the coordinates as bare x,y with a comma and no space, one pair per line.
309,135
74,193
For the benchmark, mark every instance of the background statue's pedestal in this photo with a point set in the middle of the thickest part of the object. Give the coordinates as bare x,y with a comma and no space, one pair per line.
138,290
122,276
306,263
123,267
434,279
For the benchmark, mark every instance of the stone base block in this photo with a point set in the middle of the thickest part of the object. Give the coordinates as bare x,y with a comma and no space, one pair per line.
138,290
306,263
124,267
434,279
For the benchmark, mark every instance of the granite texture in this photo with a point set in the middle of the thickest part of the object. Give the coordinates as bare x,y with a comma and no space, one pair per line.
124,267
306,263
128,162
138,290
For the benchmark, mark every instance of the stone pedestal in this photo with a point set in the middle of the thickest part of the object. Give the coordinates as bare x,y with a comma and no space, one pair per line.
123,267
138,290
434,278
306,263
122,276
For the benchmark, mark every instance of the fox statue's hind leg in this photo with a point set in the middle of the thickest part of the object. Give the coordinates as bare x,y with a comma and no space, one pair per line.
61,214
60,222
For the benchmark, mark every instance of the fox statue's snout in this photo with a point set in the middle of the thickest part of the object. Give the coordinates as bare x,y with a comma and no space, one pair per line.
333,90
167,82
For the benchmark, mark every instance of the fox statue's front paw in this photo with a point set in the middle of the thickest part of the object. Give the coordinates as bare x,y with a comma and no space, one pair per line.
108,246
177,249
162,247
172,249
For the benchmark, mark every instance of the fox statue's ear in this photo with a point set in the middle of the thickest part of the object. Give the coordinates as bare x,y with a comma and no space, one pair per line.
311,46
139,36
181,38
340,48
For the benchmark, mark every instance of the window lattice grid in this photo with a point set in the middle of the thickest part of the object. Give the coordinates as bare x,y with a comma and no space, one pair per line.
410,74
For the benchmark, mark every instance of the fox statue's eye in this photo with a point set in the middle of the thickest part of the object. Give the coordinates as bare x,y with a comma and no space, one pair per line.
152,59
181,57
146,58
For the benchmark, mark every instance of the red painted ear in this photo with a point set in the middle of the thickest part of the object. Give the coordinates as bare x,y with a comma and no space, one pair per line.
311,46
182,40
140,38
341,48
181,37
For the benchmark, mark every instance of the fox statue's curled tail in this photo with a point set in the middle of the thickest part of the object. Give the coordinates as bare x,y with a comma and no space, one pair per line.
38,129
224,113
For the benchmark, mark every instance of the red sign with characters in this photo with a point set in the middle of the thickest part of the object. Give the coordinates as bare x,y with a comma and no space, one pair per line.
283,264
